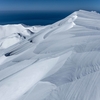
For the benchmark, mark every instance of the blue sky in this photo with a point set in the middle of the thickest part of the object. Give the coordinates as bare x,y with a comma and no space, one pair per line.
49,5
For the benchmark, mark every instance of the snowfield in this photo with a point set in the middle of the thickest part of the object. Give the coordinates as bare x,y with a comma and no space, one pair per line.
60,61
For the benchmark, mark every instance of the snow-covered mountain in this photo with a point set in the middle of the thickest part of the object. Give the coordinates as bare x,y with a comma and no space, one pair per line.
12,34
60,61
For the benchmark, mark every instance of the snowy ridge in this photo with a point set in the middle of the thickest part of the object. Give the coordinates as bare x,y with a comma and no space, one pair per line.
12,34
6,30
60,61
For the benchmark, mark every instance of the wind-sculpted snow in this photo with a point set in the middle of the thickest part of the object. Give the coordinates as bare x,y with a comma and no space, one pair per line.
60,61
86,88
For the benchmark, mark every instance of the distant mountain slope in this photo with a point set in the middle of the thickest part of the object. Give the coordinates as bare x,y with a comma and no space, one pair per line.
12,34
60,61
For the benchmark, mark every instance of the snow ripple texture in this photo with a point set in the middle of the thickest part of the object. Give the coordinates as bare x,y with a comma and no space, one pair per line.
60,61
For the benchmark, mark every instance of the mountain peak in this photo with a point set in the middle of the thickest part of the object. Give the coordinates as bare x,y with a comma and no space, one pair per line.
60,61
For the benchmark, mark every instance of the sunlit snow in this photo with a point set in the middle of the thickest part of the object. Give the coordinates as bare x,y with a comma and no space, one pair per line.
60,61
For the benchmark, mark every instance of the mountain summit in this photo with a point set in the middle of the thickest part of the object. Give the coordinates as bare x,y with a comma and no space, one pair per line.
60,61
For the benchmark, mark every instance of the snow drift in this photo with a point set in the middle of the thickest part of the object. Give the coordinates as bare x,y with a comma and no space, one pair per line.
60,61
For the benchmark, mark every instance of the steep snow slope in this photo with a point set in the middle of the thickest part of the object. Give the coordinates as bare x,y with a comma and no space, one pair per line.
60,62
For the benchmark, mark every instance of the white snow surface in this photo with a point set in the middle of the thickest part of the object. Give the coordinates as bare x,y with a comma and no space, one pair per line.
12,34
60,61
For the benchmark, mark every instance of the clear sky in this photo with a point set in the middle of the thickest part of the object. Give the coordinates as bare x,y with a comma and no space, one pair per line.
49,5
